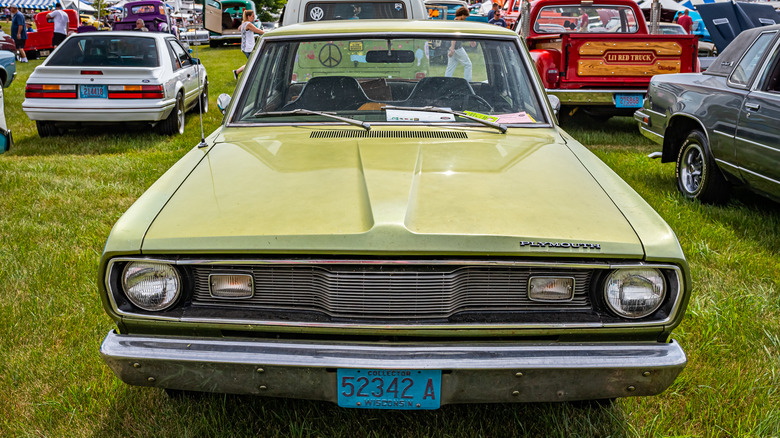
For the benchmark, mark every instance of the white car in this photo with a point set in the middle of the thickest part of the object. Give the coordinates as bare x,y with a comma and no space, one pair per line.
109,77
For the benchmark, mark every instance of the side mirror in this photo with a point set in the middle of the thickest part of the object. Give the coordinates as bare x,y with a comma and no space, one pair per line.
555,103
223,101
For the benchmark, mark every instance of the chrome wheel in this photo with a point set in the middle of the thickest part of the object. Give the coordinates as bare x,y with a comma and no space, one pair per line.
691,168
698,175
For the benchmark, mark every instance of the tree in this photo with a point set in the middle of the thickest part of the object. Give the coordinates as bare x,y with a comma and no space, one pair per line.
268,10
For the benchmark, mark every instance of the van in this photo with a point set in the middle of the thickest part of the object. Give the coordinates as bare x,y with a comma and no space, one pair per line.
299,11
222,19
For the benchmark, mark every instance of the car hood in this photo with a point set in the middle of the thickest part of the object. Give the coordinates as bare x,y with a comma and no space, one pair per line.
281,191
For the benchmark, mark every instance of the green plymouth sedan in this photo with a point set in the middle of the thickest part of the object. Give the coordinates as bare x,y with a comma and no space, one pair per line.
379,229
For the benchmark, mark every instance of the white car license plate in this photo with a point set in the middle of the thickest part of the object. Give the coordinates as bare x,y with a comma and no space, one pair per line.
389,389
93,92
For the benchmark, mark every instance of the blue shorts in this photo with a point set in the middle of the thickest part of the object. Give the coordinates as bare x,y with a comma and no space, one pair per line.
246,53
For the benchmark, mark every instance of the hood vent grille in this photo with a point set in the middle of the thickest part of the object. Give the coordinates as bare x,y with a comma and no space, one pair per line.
352,133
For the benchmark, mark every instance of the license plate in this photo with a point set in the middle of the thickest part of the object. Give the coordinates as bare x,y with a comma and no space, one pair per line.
629,100
93,92
389,389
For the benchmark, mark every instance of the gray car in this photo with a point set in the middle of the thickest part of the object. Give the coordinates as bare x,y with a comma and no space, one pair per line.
722,127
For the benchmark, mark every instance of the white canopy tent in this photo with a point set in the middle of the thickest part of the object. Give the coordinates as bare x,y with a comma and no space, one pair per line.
79,6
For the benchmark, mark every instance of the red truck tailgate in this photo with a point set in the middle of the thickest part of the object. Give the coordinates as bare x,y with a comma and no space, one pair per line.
592,60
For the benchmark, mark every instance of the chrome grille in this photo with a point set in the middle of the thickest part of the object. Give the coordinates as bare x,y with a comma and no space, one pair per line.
390,292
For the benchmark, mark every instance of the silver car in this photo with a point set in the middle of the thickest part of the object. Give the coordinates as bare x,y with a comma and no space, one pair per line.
109,77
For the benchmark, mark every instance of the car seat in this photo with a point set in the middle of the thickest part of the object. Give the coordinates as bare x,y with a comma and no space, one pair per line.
330,93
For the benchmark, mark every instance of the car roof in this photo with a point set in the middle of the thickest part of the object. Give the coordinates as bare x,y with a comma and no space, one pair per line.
127,33
387,26
728,59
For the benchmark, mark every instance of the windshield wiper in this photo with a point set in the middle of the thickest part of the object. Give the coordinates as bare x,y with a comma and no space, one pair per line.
300,111
435,109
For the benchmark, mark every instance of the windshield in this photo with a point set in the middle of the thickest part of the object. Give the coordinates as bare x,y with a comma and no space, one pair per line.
592,19
95,50
359,77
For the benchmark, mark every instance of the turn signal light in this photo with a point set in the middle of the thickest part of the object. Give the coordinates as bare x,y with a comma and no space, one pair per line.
552,289
50,91
135,92
231,285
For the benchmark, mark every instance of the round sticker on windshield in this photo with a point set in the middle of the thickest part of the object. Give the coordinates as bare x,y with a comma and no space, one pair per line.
316,13
398,6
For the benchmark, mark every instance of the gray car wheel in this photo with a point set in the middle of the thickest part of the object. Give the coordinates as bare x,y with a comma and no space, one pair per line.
698,177
174,123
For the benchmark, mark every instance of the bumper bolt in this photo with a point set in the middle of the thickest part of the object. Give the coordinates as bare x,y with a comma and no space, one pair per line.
260,370
518,374
418,405
263,387
136,365
631,388
358,403
516,393
151,379
646,374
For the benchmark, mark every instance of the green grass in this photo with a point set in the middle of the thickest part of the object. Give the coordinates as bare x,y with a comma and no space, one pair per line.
62,195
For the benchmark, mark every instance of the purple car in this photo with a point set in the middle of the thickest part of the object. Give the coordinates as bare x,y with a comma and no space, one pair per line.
152,12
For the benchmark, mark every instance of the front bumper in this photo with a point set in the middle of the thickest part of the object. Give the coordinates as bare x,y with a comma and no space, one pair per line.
472,372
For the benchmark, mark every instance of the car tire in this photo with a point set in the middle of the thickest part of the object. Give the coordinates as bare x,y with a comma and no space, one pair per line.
174,123
47,129
698,177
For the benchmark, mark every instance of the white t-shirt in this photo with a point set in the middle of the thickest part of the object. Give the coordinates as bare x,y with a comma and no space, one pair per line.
247,38
486,7
60,19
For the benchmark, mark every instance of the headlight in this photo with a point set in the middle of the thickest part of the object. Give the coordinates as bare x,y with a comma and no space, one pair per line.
635,292
151,286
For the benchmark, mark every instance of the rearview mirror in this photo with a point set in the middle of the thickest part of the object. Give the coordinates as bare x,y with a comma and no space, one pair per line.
390,57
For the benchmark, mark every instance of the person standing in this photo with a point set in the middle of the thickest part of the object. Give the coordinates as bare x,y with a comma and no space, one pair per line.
60,20
497,19
457,54
493,11
685,21
248,31
18,32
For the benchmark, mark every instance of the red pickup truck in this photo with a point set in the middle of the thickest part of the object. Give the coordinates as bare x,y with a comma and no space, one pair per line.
39,42
598,56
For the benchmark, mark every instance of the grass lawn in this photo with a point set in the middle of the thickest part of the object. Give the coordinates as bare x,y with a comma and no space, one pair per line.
62,195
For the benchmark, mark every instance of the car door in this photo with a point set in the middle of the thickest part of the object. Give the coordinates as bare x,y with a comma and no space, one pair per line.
213,16
758,131
186,71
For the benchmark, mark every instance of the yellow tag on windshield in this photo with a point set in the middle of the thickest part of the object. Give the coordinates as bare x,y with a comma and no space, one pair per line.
481,116
356,46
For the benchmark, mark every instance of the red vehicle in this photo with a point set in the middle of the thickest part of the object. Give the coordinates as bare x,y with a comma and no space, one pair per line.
599,56
39,42
511,13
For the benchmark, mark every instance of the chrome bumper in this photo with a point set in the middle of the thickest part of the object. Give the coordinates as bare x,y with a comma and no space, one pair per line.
589,97
472,372
644,120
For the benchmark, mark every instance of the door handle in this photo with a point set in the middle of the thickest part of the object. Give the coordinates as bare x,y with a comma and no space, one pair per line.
752,106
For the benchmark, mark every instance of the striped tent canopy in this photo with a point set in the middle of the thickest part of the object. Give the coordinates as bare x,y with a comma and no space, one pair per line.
29,4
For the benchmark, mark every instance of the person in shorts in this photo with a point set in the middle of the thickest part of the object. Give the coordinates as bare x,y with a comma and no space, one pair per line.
60,20
18,32
248,31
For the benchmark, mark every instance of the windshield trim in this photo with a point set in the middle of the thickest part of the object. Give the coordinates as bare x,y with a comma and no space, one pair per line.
536,85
